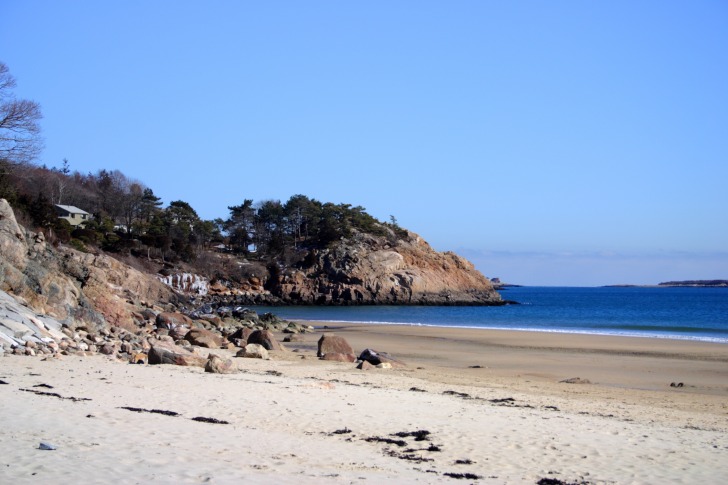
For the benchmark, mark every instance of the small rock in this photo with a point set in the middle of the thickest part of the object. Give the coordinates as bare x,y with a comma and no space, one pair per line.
364,365
46,446
253,351
218,365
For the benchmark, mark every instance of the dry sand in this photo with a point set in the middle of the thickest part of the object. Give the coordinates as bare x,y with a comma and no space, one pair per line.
491,400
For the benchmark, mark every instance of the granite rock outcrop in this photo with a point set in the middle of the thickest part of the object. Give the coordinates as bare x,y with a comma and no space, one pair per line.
85,289
368,269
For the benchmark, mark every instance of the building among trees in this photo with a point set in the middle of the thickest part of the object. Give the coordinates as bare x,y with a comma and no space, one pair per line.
75,216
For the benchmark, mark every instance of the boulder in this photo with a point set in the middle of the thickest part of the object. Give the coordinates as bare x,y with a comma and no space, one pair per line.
266,339
376,358
333,344
242,333
364,365
204,338
337,357
219,365
171,320
179,332
165,353
253,351
108,349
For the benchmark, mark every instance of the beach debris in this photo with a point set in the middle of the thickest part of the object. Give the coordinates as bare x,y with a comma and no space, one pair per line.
463,395
408,456
47,386
463,476
203,419
389,441
154,411
2,382
552,408
416,389
419,435
475,367
575,380
335,346
44,445
342,431
217,365
253,351
556,481
678,384
466,461
510,402
276,373
55,394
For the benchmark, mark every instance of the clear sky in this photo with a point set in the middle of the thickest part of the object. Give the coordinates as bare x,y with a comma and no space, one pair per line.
550,142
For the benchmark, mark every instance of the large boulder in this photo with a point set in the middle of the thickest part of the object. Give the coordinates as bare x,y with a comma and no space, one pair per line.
334,344
337,357
266,339
204,338
167,353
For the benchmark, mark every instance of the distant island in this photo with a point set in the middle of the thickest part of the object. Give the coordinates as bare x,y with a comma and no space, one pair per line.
686,283
702,283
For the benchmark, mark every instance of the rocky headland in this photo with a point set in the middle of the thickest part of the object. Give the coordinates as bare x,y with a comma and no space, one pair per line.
368,269
55,299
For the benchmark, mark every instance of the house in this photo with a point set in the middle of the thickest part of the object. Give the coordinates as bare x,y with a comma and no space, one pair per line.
75,216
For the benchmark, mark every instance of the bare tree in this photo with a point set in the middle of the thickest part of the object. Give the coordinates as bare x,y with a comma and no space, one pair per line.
20,140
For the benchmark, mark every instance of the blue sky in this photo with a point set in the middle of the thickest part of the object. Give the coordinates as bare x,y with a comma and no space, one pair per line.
551,143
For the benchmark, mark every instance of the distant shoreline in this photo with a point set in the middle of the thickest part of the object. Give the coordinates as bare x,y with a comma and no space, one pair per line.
680,284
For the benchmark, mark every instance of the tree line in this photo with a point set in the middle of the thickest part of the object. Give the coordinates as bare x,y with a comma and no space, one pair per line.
128,216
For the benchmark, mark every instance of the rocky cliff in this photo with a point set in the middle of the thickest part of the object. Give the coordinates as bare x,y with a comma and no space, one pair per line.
80,289
367,269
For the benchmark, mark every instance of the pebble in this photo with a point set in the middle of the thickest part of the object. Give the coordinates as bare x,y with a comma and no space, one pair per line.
46,446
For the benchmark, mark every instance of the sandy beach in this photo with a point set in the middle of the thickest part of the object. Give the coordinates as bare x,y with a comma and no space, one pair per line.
469,406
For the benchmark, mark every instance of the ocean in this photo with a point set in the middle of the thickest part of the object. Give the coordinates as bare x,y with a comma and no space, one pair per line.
670,312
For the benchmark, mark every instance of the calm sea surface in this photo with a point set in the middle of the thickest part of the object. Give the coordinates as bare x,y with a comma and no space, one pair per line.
684,313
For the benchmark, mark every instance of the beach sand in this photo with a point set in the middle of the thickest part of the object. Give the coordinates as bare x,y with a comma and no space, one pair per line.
492,402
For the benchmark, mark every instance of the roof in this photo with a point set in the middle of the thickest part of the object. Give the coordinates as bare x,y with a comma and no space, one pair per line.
72,209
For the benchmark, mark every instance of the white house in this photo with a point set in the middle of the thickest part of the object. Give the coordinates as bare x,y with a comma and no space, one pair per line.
74,215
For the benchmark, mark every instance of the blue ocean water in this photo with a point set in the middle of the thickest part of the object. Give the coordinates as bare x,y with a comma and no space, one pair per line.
682,313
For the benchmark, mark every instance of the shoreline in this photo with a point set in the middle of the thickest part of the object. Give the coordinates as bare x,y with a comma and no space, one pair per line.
545,358
323,323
